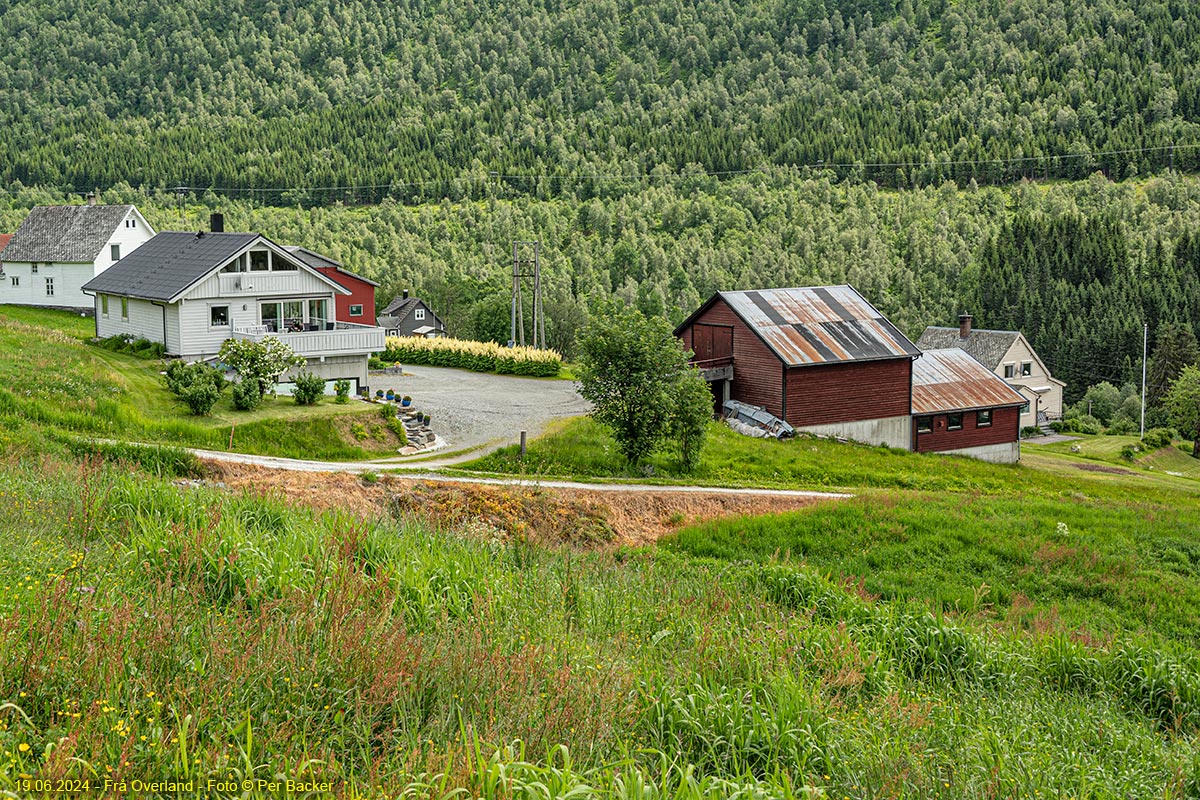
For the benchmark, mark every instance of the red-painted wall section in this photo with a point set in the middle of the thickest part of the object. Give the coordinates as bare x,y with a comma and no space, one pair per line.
1005,428
829,393
757,372
361,293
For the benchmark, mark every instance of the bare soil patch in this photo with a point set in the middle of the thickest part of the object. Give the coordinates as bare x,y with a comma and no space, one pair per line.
577,517
1102,468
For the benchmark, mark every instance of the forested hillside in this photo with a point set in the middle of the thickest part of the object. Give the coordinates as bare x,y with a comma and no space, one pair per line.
1078,266
356,100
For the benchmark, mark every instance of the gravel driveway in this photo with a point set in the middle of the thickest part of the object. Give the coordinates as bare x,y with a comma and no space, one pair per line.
472,409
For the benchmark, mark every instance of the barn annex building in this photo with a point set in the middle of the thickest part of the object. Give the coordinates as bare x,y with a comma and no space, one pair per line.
826,361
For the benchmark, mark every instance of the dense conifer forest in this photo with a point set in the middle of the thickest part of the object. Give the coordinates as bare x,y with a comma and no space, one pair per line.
1027,161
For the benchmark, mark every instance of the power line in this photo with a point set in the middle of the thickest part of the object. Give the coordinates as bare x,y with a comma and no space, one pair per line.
766,170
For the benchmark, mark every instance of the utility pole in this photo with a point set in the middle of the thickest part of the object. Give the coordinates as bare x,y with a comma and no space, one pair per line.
527,255
1145,337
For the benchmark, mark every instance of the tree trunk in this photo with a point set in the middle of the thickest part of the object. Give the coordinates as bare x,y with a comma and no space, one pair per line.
1196,445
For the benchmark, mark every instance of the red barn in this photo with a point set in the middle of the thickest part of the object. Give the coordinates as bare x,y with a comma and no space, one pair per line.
821,358
359,305
960,406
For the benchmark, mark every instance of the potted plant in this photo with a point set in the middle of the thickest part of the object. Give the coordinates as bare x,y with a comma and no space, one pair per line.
391,395
426,420
379,394
406,401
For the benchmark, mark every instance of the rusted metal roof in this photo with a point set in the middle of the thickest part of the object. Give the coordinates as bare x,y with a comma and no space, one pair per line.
819,325
951,380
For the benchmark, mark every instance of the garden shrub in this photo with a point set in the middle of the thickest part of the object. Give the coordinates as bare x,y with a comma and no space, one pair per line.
474,356
1157,438
140,347
197,384
246,396
309,388
342,392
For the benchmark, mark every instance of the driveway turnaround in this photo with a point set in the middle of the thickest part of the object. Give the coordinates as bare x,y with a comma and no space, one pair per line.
473,410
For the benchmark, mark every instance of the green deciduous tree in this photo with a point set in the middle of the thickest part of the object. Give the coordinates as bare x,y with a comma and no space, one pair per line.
636,375
198,385
1183,405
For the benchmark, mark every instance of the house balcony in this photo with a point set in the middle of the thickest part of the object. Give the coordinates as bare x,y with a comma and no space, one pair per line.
330,339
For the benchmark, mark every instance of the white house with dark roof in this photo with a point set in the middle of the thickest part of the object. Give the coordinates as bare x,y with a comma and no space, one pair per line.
58,249
1009,356
192,291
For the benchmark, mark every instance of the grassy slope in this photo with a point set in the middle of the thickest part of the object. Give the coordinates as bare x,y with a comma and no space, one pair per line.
955,533
154,633
56,383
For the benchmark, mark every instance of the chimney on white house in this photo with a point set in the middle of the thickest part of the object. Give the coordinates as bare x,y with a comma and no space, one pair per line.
964,326
216,222
91,198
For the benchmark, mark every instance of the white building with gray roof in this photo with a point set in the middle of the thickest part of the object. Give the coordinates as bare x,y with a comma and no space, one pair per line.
58,249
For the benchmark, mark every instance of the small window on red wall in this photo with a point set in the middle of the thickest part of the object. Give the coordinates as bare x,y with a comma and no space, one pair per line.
954,422
983,418
924,424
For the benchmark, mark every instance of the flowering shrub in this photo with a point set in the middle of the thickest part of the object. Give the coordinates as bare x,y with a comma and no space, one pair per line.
475,356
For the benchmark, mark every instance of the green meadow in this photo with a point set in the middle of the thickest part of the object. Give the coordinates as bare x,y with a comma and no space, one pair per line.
953,630
57,389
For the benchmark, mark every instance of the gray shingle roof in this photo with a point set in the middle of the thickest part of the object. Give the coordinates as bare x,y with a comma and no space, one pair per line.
987,347
65,233
167,264
400,306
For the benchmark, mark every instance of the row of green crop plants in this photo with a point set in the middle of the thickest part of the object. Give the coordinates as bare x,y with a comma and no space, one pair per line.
475,356
154,632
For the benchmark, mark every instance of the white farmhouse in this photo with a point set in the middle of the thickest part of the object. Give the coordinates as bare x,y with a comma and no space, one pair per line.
192,291
1009,355
58,249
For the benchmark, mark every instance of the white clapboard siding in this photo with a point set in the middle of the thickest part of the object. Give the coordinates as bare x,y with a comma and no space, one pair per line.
145,320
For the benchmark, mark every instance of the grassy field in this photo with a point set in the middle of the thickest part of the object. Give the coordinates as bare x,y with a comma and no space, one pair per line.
154,632
55,384
580,448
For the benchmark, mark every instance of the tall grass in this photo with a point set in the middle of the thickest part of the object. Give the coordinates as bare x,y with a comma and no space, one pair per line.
152,630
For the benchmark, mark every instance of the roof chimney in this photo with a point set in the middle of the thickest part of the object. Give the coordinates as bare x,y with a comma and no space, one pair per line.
406,294
216,222
964,326
91,198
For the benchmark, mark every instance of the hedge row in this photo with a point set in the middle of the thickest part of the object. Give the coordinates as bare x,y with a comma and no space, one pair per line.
475,356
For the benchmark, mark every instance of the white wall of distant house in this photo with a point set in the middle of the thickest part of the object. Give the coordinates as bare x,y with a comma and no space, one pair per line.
60,283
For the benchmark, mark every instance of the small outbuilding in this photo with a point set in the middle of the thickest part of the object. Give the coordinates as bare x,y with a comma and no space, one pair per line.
410,316
959,406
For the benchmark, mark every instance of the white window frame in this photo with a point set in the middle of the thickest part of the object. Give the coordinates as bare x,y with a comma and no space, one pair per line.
50,286
33,269
419,315
213,308
114,252
131,223
358,313
125,309
104,305
16,280
1010,370
1026,369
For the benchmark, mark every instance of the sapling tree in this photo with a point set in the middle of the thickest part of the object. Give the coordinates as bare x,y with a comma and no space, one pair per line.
636,375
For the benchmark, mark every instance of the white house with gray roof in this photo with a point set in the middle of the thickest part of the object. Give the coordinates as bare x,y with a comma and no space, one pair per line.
58,249
192,291
1009,355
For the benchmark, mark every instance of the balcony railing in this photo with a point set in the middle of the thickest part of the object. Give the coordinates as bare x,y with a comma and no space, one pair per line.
332,338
